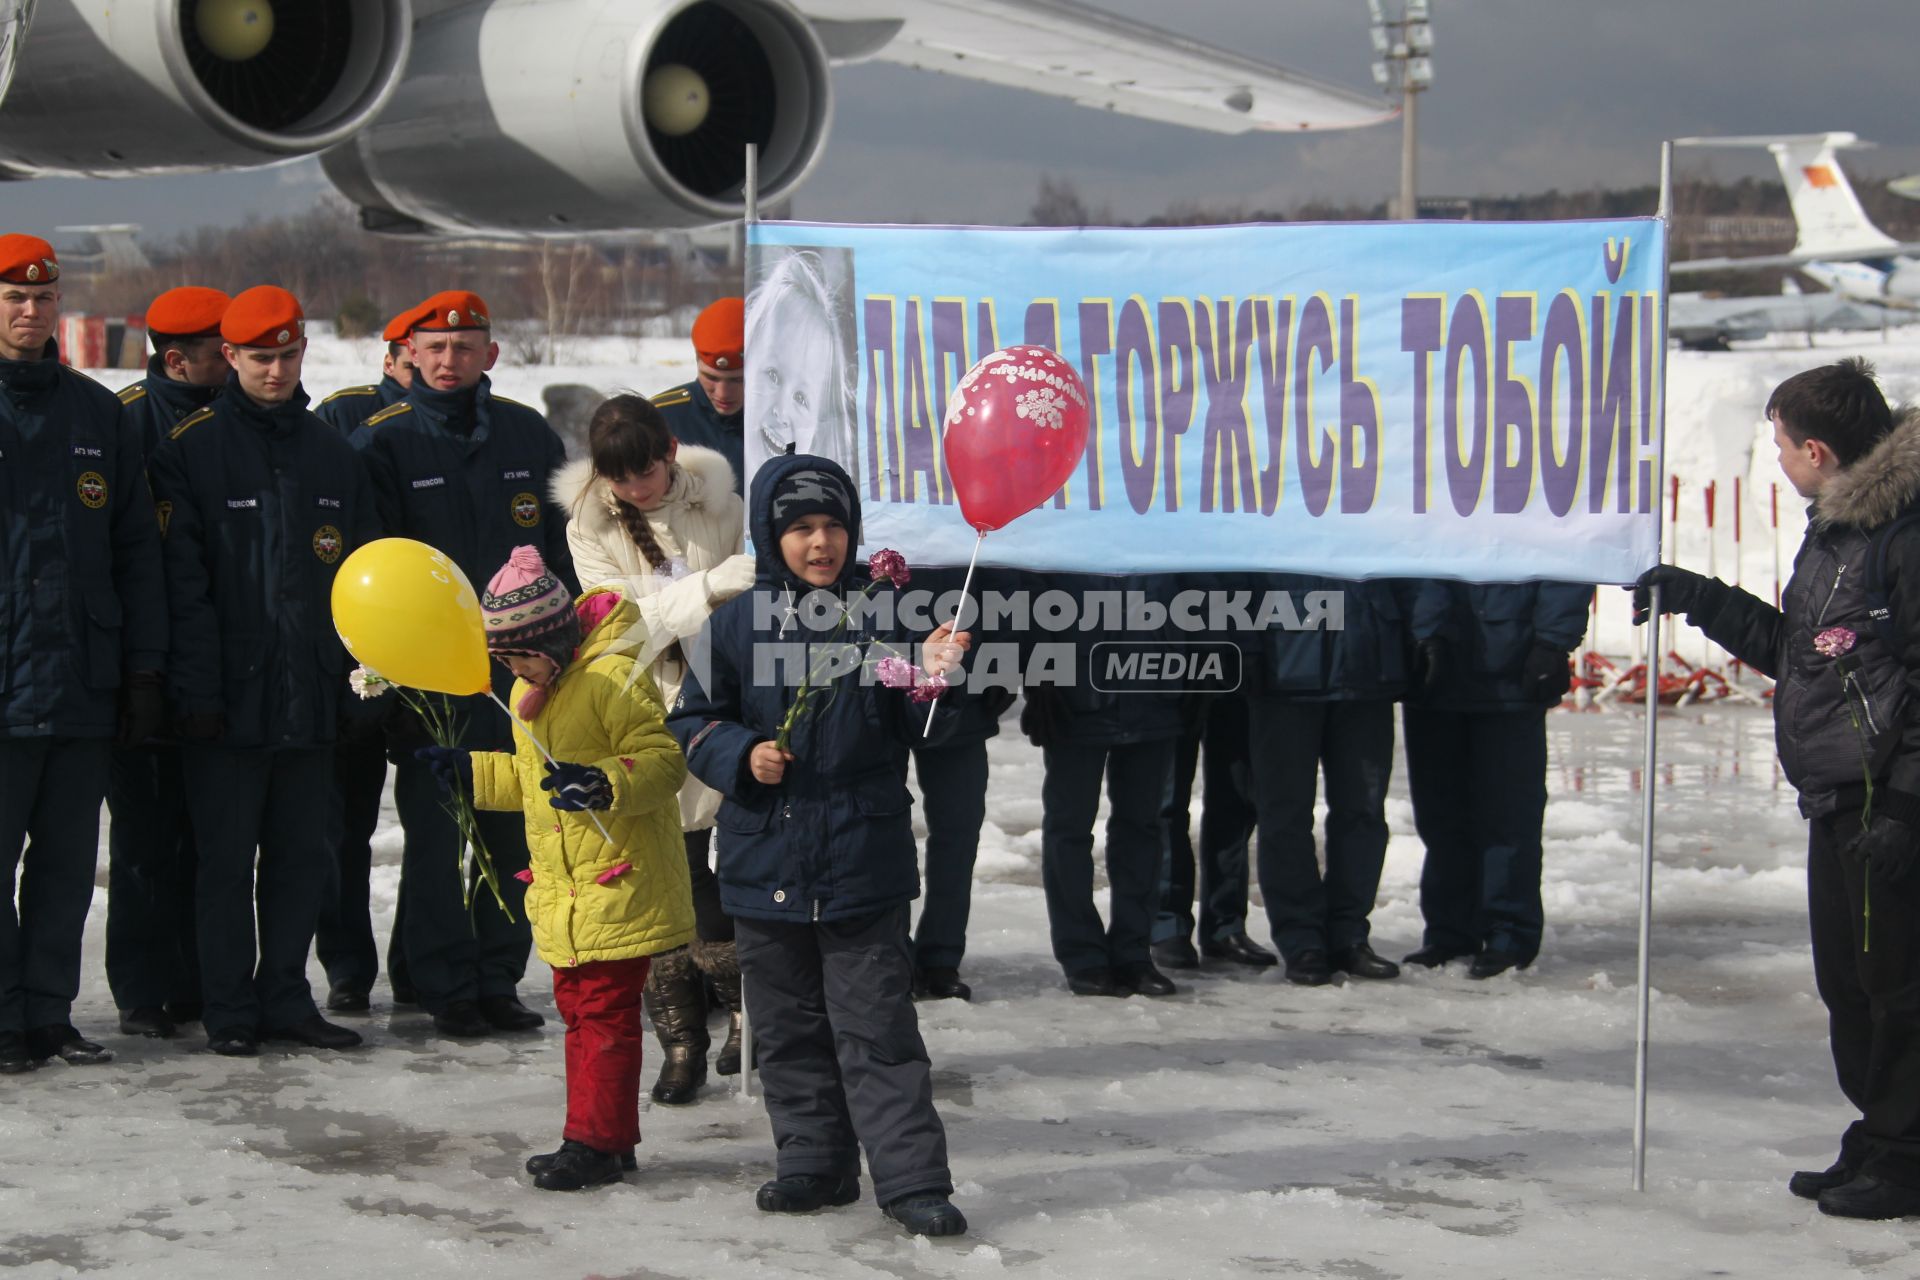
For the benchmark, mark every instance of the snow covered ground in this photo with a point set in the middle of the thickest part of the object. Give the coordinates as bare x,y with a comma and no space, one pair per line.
1430,1127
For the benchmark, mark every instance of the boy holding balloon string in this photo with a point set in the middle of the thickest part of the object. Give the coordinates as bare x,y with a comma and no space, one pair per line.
817,862
607,884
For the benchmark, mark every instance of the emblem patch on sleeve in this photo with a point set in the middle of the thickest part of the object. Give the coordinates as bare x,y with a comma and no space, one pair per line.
326,543
526,510
92,488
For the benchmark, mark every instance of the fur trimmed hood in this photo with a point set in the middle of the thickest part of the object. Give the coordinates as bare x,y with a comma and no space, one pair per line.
703,473
1880,485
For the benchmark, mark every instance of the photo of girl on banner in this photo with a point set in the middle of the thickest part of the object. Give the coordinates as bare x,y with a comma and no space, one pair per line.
800,341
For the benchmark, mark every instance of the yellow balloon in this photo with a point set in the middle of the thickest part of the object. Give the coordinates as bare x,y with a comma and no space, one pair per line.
407,613
234,29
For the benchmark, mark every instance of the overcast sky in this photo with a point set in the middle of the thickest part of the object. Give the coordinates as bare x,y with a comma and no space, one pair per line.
1528,94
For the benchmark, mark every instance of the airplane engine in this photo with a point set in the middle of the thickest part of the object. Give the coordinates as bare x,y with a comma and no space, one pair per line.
157,86
590,115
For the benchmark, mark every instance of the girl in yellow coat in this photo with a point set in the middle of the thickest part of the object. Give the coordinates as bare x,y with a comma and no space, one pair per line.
599,909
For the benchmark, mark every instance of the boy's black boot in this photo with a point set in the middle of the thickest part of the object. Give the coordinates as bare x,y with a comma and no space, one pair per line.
928,1213
541,1163
577,1166
677,1002
805,1192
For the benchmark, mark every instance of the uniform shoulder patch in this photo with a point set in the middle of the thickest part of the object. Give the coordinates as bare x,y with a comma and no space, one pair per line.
193,419
368,390
391,411
130,395
673,396
515,403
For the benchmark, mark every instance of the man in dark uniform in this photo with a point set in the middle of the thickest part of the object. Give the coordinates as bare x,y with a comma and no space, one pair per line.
263,503
83,639
467,472
344,941
708,410
152,966
348,407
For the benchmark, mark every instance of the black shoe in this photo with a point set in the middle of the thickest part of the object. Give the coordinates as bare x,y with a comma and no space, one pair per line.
1093,982
506,1013
1433,956
1808,1185
942,982
577,1166
149,1020
1360,961
14,1057
402,991
1868,1197
1240,949
462,1018
238,1043
930,1214
345,997
183,1011
1309,969
1175,953
1493,962
537,1165
805,1192
1142,980
63,1042
727,1061
316,1033
683,1069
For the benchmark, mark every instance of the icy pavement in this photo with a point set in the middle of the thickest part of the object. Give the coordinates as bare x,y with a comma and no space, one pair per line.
1429,1127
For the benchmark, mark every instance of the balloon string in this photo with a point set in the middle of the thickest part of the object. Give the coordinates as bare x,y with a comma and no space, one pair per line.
534,738
959,612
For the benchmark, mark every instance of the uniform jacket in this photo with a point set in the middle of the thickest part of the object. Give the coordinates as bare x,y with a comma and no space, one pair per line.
1820,750
834,840
85,599
1087,710
156,404
700,528
690,416
1367,656
348,407
590,900
1492,627
260,507
469,474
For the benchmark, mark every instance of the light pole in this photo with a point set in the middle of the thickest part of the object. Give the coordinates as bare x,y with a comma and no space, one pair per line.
1403,61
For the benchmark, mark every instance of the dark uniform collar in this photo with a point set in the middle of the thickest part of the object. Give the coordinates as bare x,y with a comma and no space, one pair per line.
32,376
180,398
456,411
391,392
280,419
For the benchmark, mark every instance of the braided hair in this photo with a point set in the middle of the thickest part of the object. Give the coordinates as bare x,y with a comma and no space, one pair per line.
627,437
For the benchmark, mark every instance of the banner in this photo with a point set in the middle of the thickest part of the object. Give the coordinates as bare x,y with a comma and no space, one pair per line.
1448,399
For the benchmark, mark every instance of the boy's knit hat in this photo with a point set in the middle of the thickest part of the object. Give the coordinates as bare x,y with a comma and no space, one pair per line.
529,610
808,492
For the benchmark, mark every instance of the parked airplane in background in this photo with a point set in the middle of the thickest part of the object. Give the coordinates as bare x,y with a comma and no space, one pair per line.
1700,323
1838,244
544,117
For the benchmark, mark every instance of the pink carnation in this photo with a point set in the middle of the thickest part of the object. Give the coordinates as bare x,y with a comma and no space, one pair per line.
929,689
888,566
895,673
1835,641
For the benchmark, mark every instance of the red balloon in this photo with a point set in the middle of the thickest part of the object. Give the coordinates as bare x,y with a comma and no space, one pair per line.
1016,427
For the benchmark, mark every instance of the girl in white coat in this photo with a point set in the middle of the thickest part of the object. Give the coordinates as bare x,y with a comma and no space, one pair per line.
661,519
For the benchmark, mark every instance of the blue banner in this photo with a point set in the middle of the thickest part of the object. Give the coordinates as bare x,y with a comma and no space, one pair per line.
1465,400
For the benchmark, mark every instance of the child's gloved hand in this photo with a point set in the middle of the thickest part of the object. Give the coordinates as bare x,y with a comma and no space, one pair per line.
577,786
451,767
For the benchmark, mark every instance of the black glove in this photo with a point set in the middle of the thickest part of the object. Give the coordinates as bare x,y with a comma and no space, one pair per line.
203,726
1888,848
1545,677
143,709
1681,591
577,786
1432,665
1042,718
452,768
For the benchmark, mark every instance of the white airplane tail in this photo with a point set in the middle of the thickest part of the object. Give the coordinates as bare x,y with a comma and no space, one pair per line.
1828,214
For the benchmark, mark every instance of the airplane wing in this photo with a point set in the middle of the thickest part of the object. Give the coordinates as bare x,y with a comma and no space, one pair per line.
1068,50
1907,249
14,17
1701,323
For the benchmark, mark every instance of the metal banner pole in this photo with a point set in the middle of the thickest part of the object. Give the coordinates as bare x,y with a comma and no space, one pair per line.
1647,766
752,194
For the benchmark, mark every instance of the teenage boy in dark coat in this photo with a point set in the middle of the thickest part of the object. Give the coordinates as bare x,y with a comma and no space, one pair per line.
1835,661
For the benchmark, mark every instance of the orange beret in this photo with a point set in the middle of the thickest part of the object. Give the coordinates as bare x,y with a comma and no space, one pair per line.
27,260
720,334
263,316
445,312
396,330
187,312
